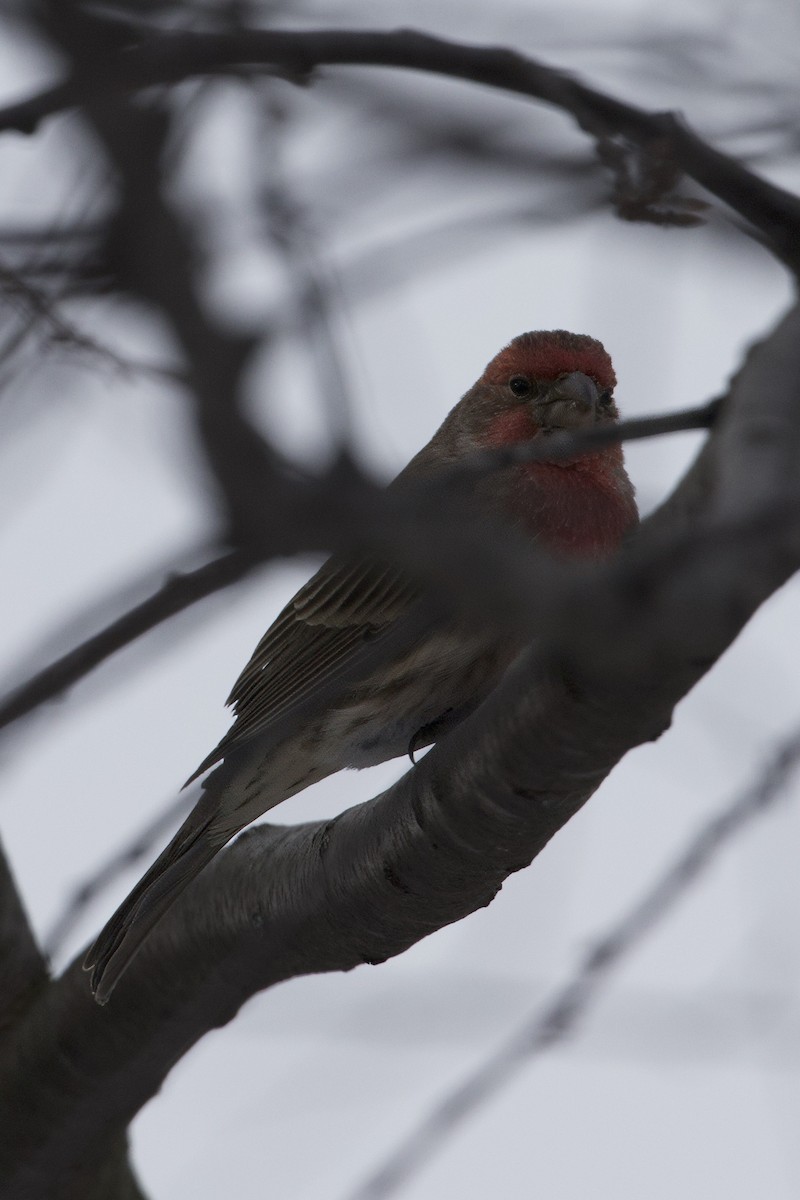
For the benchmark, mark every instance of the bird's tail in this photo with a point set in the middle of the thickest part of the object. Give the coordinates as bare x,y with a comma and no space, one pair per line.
234,794
194,845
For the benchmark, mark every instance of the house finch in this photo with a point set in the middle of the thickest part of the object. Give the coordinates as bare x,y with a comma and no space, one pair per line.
302,708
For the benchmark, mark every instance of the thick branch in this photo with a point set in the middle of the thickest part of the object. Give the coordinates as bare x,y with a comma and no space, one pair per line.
325,897
438,844
557,1019
24,970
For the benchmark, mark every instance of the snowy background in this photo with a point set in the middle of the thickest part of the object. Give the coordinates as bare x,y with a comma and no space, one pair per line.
685,1079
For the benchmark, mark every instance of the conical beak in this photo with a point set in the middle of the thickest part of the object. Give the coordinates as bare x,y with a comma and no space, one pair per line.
571,403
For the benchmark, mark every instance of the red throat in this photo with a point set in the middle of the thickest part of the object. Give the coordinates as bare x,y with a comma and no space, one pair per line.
583,511
581,508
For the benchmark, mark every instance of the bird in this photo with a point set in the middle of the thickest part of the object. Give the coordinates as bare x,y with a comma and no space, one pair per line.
305,707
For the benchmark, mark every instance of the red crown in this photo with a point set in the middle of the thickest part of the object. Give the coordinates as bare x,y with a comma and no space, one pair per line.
546,355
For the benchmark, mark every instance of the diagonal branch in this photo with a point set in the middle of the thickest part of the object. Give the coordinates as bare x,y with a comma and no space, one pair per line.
558,1019
177,594
561,445
24,968
438,844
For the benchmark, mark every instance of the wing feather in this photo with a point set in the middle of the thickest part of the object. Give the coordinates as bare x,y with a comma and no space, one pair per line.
312,639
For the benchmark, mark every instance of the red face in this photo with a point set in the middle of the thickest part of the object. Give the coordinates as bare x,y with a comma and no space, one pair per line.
546,381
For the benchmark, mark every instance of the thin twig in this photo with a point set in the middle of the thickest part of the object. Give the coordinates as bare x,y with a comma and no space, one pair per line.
178,593
43,313
560,445
558,1019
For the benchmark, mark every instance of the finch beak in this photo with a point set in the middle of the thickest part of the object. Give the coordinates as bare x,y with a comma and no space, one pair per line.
571,403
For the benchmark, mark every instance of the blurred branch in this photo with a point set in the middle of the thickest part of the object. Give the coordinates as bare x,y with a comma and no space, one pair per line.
25,116
560,445
24,970
643,166
175,595
557,1020
152,254
42,309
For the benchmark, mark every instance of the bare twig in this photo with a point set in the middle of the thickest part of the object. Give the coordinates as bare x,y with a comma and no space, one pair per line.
559,1018
43,313
560,445
177,594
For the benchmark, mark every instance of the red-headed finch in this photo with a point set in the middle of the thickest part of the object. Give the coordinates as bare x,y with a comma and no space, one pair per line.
293,724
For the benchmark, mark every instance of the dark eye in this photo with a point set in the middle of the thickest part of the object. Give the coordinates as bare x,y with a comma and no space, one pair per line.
605,399
519,385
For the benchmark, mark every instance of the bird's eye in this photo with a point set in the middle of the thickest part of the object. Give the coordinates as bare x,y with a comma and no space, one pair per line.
605,399
519,385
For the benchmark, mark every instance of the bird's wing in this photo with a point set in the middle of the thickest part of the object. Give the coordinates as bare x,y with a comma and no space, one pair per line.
315,635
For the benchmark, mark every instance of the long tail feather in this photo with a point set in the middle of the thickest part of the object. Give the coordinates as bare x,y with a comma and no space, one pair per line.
193,846
224,808
137,925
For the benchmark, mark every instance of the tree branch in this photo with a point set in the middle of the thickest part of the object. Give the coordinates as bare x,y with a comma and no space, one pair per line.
177,594
439,843
561,445
163,57
558,1019
24,969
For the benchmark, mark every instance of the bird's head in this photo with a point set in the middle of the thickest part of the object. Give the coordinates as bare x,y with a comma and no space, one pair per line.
542,382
